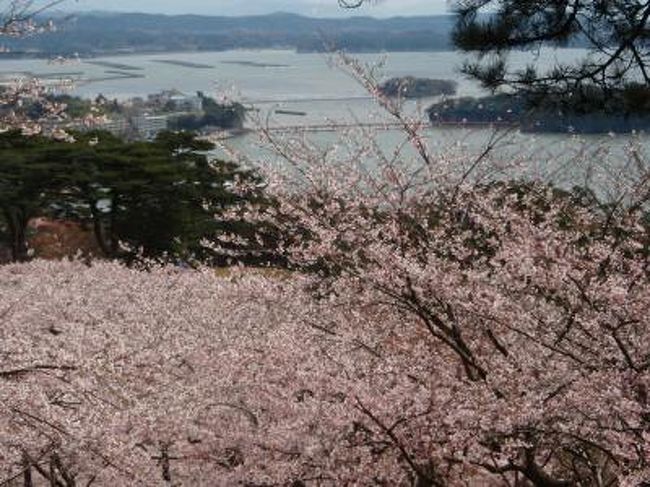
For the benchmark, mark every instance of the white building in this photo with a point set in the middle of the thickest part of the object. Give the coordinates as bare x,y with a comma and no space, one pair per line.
138,126
184,103
148,126
176,100
116,126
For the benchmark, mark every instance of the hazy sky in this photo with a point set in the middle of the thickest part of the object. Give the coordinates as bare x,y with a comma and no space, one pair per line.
329,8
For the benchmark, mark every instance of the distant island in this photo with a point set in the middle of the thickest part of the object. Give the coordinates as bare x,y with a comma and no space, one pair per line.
411,87
211,116
547,117
100,34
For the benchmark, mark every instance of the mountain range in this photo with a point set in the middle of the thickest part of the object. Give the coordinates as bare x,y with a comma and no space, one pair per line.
100,33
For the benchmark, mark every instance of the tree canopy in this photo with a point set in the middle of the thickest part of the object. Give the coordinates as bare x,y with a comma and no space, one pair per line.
154,199
454,334
616,35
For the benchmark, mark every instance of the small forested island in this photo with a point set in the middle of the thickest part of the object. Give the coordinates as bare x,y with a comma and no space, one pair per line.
212,115
590,112
411,87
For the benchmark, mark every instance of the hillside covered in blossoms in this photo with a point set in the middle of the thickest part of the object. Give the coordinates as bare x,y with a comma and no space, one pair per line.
378,303
505,342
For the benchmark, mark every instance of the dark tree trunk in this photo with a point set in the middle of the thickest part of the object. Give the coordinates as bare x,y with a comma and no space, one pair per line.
114,240
68,478
538,476
104,225
428,477
27,472
164,462
53,482
99,228
17,222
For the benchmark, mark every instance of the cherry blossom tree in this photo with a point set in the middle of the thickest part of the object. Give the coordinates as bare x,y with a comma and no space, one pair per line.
510,313
22,18
499,340
533,307
443,322
173,377
120,376
440,326
19,18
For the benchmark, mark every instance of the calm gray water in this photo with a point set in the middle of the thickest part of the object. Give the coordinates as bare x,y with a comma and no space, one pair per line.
269,79
311,83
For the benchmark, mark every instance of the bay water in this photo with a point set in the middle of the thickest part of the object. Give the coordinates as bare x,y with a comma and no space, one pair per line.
288,89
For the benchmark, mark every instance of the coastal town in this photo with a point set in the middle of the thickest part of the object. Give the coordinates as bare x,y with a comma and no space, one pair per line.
144,118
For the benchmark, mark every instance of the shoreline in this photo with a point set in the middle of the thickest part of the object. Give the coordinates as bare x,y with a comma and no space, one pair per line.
324,128
7,56
37,55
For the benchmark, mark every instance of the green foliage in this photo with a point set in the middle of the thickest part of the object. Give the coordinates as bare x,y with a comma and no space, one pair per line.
227,116
616,33
411,87
155,199
76,107
28,178
589,110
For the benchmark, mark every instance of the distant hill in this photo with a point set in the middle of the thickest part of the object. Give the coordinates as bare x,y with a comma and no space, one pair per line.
597,114
110,33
